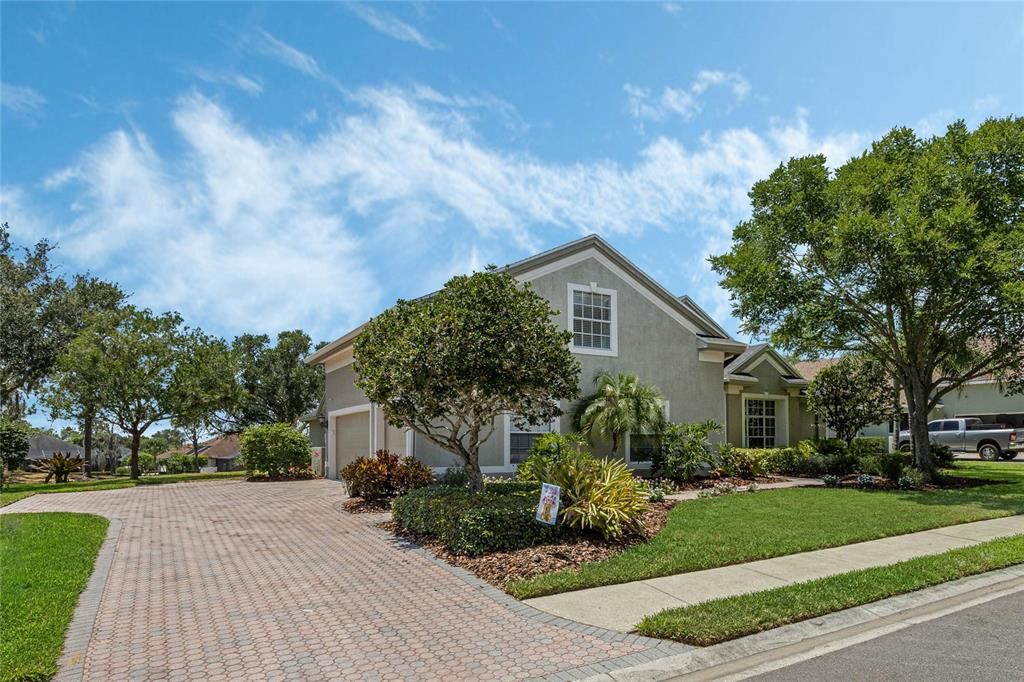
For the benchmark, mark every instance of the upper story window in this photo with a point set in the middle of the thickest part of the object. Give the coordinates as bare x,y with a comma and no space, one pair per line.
592,319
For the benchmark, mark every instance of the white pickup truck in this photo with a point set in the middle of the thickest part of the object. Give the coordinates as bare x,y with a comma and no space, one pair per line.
990,441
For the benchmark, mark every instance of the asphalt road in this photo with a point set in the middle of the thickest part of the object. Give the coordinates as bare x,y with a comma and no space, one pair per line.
981,643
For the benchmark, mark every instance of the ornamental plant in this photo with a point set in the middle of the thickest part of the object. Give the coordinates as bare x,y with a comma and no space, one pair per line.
384,475
274,451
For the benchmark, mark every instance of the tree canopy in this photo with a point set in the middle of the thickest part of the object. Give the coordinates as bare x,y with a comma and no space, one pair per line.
449,365
910,252
853,393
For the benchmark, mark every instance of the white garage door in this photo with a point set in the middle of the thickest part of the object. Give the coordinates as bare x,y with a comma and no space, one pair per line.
352,437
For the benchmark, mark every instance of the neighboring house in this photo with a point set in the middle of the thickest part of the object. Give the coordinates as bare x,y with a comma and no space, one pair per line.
44,446
623,321
983,398
221,452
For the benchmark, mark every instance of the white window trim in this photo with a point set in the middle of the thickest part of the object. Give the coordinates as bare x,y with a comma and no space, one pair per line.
779,442
666,410
332,454
593,288
507,466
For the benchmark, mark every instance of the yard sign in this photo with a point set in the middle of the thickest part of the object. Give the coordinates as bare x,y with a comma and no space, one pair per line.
550,497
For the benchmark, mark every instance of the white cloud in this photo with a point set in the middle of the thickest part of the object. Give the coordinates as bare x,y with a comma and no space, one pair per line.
272,230
673,8
251,86
391,26
290,56
683,102
20,98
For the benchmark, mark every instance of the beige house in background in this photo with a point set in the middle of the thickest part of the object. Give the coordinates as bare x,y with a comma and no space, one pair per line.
622,321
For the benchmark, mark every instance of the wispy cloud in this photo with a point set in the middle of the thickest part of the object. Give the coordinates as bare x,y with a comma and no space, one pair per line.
684,102
282,52
391,26
20,98
673,8
987,104
252,86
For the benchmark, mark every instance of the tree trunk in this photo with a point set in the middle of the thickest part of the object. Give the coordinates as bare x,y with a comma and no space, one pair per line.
917,410
87,423
136,439
195,450
474,477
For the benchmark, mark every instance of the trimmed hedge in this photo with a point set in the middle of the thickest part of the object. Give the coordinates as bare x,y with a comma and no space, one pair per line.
501,518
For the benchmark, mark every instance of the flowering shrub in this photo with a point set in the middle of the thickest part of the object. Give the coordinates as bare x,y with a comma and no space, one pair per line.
865,481
384,475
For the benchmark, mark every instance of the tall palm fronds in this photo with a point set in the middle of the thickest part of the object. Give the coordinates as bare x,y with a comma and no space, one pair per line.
621,404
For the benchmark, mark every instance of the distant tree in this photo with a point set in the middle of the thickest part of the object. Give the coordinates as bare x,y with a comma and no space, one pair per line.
449,365
164,440
910,252
276,386
41,313
621,404
204,385
71,435
14,446
853,393
132,355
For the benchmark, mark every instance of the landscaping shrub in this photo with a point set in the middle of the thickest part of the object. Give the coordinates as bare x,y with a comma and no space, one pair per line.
384,475
275,450
508,486
122,471
830,480
60,466
656,495
865,481
942,456
869,445
473,524
685,450
888,465
547,451
182,463
742,462
455,477
597,494
910,478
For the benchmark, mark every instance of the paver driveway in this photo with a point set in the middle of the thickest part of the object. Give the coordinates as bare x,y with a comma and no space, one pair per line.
234,580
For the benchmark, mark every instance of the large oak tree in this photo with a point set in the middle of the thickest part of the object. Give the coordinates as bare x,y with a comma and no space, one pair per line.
912,252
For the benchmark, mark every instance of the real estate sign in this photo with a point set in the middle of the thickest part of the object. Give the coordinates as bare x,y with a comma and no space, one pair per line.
550,498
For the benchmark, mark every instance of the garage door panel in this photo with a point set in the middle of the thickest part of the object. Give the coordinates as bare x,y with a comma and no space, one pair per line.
352,438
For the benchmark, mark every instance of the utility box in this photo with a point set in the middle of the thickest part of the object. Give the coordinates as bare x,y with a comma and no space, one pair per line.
316,461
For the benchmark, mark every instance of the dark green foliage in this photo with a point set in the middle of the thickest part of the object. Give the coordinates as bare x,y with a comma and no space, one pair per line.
852,394
685,450
275,450
548,450
385,475
455,477
13,446
450,364
510,487
59,466
888,465
501,518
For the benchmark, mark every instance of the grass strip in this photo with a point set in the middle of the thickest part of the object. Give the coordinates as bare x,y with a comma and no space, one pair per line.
17,491
45,562
734,529
720,620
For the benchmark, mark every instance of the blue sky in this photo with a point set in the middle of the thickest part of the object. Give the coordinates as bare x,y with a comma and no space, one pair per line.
266,167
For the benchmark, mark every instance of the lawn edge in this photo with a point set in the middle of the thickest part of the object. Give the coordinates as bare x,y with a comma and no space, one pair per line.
71,662
786,621
99,489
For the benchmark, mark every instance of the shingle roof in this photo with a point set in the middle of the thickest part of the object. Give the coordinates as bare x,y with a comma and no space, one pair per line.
43,446
220,447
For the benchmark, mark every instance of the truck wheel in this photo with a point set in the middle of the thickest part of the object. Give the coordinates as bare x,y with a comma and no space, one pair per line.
1008,455
904,447
988,452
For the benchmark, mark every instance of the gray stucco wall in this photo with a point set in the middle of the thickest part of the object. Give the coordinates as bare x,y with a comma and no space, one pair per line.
982,399
340,390
652,345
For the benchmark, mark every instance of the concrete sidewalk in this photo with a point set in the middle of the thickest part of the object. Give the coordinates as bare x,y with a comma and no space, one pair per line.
621,607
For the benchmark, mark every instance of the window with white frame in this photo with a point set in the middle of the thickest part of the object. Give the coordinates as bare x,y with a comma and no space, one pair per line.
592,319
760,423
521,438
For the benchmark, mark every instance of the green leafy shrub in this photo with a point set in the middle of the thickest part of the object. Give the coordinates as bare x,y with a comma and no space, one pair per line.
384,475
122,471
942,456
887,465
869,445
597,494
547,451
455,477
910,478
507,486
685,450
274,450
14,444
474,524
182,463
147,462
830,480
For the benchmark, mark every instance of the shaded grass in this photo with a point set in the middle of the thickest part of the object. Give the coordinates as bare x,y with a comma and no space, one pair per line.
18,491
724,619
733,529
45,562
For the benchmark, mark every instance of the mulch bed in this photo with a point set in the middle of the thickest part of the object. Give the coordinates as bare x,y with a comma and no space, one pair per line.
357,505
501,568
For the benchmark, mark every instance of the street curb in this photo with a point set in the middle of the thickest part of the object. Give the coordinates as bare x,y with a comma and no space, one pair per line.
659,649
71,664
772,649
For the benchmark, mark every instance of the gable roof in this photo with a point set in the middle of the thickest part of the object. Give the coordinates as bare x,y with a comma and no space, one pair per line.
737,369
226,446
709,333
44,446
809,368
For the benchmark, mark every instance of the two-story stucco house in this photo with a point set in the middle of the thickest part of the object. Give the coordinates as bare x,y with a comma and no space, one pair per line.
622,321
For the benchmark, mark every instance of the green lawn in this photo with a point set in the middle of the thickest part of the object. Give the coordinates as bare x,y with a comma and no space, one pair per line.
17,491
45,562
724,619
745,527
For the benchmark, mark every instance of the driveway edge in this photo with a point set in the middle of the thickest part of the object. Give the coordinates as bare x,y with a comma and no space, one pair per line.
71,664
659,648
789,644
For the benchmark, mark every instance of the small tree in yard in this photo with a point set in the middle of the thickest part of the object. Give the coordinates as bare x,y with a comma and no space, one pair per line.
621,404
851,394
449,365
911,253
13,447
275,450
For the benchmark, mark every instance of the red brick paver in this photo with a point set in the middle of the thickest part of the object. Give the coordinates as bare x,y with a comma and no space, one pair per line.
270,581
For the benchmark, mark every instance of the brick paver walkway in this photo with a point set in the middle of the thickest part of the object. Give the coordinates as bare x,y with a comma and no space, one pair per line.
270,581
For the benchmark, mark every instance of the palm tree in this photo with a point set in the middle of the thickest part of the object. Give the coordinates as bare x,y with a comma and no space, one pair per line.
621,405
